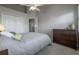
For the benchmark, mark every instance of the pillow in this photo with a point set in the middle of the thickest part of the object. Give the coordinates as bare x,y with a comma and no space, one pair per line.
17,36
5,33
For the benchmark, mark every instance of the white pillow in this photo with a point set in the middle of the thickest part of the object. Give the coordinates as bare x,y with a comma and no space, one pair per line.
8,34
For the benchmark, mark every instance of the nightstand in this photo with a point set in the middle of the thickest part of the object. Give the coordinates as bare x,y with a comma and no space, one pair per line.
4,52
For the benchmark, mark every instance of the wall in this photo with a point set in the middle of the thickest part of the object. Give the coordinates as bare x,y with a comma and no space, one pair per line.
56,17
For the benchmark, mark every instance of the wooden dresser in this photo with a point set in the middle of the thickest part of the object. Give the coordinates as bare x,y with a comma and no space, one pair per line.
65,37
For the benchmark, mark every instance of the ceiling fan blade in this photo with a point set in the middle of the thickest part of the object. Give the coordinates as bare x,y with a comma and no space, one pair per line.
37,9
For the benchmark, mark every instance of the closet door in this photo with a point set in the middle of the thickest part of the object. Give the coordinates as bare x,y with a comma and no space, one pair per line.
14,23
9,23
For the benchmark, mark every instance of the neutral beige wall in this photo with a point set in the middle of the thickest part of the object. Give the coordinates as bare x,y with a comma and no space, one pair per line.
56,17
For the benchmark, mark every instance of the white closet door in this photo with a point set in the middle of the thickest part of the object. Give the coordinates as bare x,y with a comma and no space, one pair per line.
14,23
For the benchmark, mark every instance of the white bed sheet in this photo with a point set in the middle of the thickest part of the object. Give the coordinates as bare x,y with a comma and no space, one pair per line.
29,45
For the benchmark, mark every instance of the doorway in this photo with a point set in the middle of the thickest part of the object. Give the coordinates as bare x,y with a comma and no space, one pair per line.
31,25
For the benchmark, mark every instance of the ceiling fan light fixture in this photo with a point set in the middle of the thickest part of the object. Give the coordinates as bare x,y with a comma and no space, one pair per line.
32,8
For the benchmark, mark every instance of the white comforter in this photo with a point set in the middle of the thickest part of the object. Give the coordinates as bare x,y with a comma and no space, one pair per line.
29,45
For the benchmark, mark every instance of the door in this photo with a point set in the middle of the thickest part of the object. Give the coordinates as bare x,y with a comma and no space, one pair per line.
31,25
14,23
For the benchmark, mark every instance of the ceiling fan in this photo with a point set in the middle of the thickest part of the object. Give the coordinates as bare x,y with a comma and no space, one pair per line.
33,7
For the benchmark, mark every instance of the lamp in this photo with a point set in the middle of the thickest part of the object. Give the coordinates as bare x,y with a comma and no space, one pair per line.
2,28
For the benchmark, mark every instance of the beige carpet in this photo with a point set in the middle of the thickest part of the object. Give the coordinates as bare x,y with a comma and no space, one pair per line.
57,49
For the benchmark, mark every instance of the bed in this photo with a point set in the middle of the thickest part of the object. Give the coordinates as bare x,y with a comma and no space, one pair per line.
30,44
